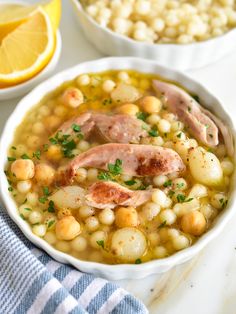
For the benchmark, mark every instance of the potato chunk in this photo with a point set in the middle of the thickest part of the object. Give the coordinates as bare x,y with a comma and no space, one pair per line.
128,244
124,93
68,197
205,167
67,228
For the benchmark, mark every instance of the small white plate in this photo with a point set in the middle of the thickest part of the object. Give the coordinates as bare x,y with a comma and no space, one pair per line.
25,87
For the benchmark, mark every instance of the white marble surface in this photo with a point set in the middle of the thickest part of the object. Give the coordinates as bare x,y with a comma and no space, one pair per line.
207,284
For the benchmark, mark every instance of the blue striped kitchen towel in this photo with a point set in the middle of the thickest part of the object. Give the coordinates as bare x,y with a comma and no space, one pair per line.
31,282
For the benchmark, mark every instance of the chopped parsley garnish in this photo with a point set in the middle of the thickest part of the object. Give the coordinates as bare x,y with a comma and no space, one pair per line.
22,216
76,128
130,182
53,140
162,225
138,261
46,191
50,223
51,208
104,176
80,136
153,133
26,208
142,116
10,188
25,156
107,101
67,145
171,193
116,167
142,187
101,243
45,147
11,158
179,135
223,202
207,126
181,198
37,154
189,109
188,199
43,199
167,183
196,97
13,147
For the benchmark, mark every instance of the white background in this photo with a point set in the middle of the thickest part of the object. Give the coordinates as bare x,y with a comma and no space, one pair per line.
207,284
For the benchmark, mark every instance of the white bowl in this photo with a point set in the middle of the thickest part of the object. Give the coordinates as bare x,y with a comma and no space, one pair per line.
176,56
110,271
25,87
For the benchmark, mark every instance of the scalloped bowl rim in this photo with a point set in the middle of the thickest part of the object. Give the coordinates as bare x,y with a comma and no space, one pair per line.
144,44
119,271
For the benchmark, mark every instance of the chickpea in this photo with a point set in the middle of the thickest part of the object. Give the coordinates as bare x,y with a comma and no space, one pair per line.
150,104
129,109
54,153
23,169
72,97
126,217
44,174
67,228
193,223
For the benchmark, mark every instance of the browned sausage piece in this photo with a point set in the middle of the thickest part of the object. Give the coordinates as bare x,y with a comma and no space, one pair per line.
189,112
83,120
225,132
136,160
119,128
111,194
116,128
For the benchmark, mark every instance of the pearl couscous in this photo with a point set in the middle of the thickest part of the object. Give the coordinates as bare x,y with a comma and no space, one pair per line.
164,21
123,212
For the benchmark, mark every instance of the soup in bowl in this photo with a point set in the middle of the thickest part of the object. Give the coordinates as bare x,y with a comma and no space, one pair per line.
120,167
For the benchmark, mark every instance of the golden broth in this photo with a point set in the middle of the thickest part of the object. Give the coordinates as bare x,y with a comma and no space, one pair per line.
34,141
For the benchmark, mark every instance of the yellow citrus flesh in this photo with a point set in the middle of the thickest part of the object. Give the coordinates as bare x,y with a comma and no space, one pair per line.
53,9
26,50
13,15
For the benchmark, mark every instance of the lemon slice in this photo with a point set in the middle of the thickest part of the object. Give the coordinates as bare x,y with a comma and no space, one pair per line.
13,15
27,50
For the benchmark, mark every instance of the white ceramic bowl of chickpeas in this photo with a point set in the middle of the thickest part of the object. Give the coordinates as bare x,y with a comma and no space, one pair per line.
177,34
82,75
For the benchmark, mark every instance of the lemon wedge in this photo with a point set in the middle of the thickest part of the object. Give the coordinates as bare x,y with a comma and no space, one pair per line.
27,50
13,15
